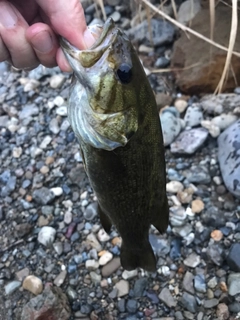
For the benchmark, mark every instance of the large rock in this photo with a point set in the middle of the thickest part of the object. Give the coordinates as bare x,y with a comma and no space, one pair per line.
52,304
229,157
207,61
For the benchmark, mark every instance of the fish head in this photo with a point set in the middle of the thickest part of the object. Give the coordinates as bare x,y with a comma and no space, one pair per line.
110,73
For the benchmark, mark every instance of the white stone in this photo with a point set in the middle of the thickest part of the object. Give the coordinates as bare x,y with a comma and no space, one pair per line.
58,191
105,258
103,236
123,288
68,217
56,81
46,235
17,152
45,142
58,101
33,284
224,120
174,186
91,264
129,274
62,111
180,105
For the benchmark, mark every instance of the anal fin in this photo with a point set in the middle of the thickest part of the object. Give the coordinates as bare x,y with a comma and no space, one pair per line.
105,221
160,216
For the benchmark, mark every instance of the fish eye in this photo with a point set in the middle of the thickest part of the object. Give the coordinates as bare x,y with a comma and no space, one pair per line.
124,73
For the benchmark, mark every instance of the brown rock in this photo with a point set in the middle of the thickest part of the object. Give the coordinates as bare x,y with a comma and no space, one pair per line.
111,267
197,206
207,61
222,311
33,284
216,235
52,304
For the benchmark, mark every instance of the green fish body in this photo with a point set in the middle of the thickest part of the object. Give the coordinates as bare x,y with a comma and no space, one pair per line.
112,110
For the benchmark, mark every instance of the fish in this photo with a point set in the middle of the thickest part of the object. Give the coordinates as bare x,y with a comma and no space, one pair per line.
113,113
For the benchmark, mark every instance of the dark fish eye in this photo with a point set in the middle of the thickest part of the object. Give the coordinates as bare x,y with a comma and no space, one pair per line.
124,73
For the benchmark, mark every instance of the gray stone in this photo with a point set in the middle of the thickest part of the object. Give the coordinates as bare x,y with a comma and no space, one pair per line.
171,124
194,115
215,252
234,284
91,211
199,283
211,303
233,258
198,174
234,307
46,235
43,195
188,282
12,286
111,267
229,157
189,141
162,32
189,302
192,260
132,306
166,297
28,111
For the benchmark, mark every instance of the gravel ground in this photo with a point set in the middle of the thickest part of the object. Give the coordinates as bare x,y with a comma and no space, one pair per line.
50,231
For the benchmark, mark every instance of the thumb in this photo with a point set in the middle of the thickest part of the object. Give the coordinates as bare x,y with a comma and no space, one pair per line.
68,20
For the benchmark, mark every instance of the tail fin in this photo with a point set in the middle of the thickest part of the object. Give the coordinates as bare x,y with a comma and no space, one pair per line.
142,257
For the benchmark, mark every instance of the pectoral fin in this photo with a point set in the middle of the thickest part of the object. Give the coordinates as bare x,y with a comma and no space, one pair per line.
105,221
160,216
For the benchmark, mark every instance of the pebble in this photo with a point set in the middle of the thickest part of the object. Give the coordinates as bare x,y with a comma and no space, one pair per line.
197,206
162,62
229,161
234,284
216,235
21,274
92,240
58,191
46,235
211,303
199,283
58,247
105,258
171,124
224,120
188,282
91,264
233,258
174,186
33,284
192,261
188,302
139,287
17,152
59,280
212,283
132,306
45,142
56,81
213,130
198,174
11,287
193,115
43,196
123,288
111,267
187,11
103,236
68,217
62,111
91,211
96,278
180,105
166,297
222,311
116,16
127,275
189,141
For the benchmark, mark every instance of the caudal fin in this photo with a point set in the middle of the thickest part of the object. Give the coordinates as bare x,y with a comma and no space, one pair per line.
140,258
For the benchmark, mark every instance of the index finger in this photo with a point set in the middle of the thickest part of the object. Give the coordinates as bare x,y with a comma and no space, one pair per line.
68,20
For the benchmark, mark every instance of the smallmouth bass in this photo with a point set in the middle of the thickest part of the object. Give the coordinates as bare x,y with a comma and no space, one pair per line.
112,110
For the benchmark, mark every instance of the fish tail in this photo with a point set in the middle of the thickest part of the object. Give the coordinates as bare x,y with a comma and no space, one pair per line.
139,258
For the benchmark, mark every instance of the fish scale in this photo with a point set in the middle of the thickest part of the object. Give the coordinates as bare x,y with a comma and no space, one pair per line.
125,166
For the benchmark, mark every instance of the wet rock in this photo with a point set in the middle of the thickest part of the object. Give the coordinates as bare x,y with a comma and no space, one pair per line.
43,196
234,284
189,141
51,304
189,302
228,157
162,32
33,284
166,297
123,288
46,235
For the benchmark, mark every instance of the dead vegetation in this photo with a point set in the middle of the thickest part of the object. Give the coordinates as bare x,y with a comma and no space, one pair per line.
153,9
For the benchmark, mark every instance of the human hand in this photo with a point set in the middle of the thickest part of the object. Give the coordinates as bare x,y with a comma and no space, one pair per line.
29,31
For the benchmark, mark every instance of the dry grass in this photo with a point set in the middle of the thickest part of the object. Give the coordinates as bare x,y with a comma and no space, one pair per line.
210,40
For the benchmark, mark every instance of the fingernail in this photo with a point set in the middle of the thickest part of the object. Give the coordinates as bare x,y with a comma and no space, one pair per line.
42,42
89,38
8,17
